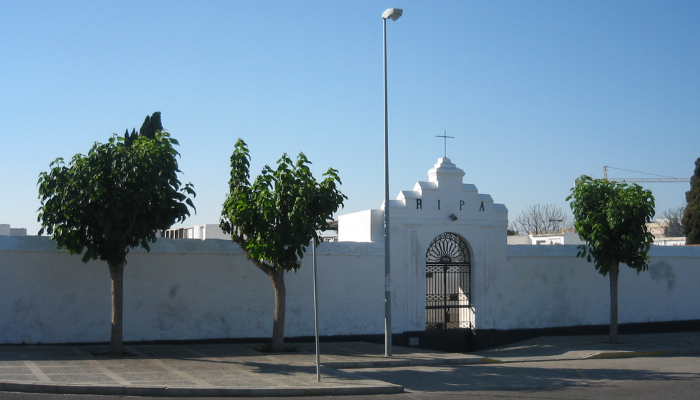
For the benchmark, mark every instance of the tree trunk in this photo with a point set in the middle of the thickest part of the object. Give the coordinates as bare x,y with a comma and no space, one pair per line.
614,271
116,272
277,278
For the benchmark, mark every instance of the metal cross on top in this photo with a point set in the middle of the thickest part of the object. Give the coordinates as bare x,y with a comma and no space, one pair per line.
445,137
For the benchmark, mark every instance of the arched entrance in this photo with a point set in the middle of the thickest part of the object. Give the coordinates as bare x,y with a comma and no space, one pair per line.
448,303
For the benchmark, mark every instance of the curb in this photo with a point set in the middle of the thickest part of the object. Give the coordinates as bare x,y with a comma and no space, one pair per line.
403,363
626,354
631,354
598,356
166,391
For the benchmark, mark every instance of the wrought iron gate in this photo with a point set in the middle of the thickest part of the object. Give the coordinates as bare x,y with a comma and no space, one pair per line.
448,283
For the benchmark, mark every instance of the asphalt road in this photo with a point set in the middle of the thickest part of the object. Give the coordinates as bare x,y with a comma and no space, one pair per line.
633,378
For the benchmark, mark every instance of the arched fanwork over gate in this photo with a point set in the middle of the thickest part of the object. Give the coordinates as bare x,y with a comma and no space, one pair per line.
448,283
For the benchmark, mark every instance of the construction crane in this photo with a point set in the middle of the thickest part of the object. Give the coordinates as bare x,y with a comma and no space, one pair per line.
660,178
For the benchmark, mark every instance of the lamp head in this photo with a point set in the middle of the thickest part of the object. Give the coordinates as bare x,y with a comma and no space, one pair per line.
392,14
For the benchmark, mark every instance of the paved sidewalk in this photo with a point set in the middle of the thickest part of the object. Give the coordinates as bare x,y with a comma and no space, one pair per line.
207,369
553,348
239,370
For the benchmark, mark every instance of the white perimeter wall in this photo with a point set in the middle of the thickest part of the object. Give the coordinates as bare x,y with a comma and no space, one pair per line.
183,289
194,289
547,286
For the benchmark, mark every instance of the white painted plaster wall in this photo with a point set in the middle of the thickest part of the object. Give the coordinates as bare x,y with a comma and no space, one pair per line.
193,289
183,289
519,239
361,226
547,286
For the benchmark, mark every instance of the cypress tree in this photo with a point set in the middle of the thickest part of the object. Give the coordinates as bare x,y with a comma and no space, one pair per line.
691,218
151,125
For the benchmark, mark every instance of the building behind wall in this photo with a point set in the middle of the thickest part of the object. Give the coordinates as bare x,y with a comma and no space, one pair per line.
567,236
202,232
6,230
571,237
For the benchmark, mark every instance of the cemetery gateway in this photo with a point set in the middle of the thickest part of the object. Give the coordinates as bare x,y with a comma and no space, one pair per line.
444,236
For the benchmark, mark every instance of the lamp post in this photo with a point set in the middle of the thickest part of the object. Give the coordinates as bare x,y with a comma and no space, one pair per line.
392,14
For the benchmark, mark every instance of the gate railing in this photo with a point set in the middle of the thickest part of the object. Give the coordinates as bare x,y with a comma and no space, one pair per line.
448,297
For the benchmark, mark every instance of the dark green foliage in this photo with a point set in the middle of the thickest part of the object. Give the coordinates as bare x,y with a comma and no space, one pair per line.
115,198
611,218
691,218
275,218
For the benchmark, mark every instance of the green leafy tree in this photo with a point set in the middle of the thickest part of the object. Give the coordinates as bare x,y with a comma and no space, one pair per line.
611,217
111,200
275,218
691,217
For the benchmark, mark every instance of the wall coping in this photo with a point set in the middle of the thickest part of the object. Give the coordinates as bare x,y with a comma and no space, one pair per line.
210,246
222,246
570,250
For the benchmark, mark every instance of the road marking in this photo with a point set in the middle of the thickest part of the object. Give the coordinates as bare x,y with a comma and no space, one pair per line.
161,364
37,371
239,367
98,365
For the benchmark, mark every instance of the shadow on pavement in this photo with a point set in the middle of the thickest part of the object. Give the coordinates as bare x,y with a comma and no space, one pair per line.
508,378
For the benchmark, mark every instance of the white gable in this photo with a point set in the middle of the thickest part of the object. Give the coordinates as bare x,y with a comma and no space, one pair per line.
443,199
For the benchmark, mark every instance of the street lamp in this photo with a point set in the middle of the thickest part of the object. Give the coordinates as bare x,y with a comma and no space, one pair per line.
392,14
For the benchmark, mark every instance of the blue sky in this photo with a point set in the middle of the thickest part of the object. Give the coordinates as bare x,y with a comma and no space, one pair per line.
535,93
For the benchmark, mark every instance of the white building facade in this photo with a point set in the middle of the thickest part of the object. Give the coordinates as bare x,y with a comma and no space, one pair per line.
201,232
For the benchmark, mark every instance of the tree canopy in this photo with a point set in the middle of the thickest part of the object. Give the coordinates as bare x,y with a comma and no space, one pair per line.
115,198
691,217
611,217
275,218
